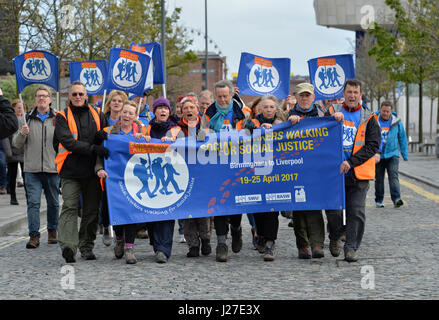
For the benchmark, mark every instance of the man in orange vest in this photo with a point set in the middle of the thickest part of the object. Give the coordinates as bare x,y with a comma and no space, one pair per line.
361,141
78,137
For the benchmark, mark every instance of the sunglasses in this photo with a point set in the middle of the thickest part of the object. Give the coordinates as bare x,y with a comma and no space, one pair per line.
81,94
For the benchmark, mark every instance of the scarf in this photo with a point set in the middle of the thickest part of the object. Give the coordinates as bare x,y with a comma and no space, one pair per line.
262,120
216,122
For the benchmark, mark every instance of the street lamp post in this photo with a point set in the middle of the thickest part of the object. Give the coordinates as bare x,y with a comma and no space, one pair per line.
163,35
207,54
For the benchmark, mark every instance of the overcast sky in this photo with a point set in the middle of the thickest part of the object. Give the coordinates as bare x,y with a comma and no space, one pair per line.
269,28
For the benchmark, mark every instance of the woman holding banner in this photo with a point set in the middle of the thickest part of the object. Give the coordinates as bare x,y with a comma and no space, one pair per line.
161,233
125,234
112,110
267,223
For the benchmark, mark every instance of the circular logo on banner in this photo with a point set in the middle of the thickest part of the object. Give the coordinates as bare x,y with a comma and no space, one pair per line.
329,79
36,69
263,79
92,78
127,73
156,180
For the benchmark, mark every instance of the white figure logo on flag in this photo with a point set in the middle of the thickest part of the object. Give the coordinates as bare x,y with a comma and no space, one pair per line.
91,76
156,180
263,76
329,76
36,66
128,70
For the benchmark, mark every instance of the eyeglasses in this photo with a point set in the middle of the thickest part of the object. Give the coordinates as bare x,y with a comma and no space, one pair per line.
40,96
81,94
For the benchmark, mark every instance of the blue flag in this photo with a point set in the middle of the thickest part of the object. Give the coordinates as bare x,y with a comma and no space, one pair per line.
92,74
288,168
258,76
127,71
36,66
156,71
328,75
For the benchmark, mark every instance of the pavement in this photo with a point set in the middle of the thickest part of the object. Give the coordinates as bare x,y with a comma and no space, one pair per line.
420,167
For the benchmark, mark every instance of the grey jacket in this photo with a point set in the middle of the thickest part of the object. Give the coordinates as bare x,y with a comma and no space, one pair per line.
39,154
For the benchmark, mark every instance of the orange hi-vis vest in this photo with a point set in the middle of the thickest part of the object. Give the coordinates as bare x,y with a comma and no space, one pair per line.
365,171
63,152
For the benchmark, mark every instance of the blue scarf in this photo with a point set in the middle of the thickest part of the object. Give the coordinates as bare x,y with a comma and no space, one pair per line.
216,122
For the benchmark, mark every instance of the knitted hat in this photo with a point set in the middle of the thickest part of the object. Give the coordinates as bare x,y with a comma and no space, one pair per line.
161,101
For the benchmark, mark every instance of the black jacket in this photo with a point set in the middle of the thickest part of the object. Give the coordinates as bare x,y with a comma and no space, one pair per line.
8,119
80,163
237,112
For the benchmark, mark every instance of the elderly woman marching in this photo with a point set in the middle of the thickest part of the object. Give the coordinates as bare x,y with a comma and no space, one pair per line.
127,125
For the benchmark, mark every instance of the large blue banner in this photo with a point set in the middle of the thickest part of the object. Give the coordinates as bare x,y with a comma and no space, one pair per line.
328,75
258,76
92,74
127,70
36,66
288,168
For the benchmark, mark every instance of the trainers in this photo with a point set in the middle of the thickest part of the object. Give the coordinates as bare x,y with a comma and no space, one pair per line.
88,255
261,245
350,256
34,242
379,205
335,247
51,237
3,191
193,252
68,255
398,203
236,240
221,252
206,249
142,234
182,239
130,258
304,253
269,254
160,257
20,184
317,252
106,239
119,248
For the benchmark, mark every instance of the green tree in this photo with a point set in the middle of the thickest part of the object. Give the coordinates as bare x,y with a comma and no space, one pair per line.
407,51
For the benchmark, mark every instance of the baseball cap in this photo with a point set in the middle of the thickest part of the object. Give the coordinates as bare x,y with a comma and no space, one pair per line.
304,87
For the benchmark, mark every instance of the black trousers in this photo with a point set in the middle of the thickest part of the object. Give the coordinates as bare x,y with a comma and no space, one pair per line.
126,231
222,223
267,224
12,176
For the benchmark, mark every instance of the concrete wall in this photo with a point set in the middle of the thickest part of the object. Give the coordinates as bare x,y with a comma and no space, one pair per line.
348,14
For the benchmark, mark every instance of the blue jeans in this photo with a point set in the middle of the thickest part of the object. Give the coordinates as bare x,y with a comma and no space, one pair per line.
3,165
392,166
35,183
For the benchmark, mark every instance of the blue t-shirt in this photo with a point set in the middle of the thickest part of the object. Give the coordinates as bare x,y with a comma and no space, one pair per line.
351,123
111,121
43,116
227,122
385,126
126,134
